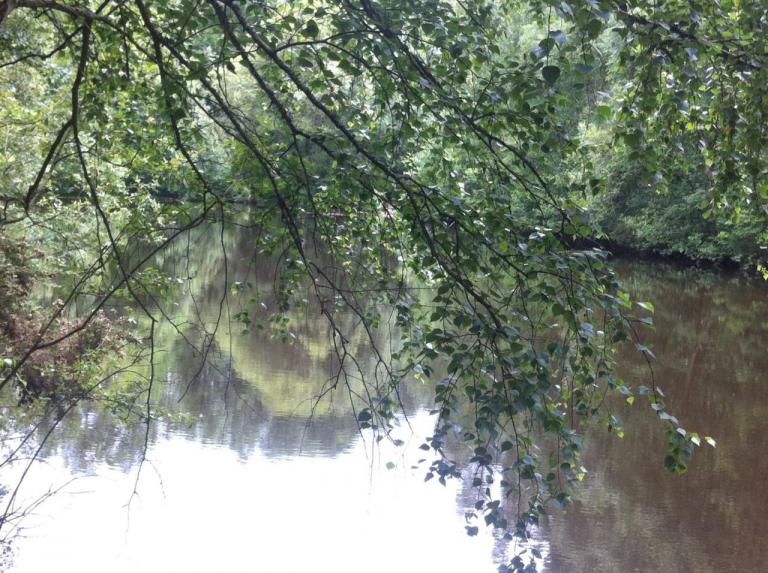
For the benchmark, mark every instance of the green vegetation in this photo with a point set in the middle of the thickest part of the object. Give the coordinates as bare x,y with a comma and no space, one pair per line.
428,167
676,219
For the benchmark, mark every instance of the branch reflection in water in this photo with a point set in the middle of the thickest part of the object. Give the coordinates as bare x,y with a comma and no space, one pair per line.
242,483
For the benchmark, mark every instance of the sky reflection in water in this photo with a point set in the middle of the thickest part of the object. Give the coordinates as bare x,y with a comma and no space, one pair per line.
246,486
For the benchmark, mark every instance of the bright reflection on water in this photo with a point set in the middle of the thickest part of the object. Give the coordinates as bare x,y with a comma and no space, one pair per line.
243,484
203,507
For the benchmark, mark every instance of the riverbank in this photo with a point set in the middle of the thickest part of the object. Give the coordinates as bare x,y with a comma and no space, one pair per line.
674,258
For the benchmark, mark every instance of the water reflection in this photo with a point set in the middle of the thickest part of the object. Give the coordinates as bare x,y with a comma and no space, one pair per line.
243,483
632,515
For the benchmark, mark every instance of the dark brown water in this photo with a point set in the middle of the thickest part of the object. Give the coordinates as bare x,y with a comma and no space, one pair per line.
710,340
240,482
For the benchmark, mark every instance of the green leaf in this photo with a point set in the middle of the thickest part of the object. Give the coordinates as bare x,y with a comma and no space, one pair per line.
364,416
645,350
550,74
604,112
311,30
647,306
594,27
558,36
695,439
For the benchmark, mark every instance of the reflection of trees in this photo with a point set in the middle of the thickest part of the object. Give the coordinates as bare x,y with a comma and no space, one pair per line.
255,392
218,409
632,515
247,390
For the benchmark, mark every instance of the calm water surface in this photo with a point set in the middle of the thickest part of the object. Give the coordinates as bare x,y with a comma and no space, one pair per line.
243,483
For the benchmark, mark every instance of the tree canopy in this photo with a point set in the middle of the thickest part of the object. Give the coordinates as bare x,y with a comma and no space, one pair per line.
431,157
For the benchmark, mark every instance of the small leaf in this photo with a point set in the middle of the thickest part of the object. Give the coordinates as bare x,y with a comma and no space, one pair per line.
647,306
670,417
558,36
645,350
604,112
311,30
364,416
695,439
550,74
594,27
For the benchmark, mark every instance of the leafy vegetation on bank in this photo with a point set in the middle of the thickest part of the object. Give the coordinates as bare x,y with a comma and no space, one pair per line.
676,219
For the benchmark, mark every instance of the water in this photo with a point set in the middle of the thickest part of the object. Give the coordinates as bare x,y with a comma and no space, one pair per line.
633,516
243,483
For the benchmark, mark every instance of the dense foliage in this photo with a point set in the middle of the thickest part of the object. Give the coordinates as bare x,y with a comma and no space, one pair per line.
385,147
676,219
